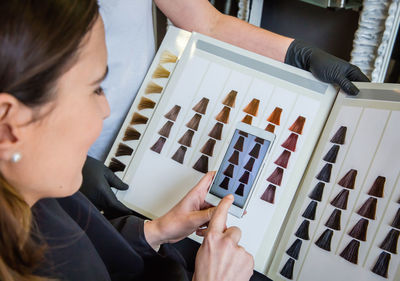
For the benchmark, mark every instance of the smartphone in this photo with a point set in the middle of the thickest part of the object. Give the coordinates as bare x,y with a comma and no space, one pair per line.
241,166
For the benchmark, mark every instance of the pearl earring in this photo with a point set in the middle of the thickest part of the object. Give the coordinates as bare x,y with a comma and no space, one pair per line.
16,157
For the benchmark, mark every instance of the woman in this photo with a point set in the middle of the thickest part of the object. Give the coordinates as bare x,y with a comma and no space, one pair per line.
52,61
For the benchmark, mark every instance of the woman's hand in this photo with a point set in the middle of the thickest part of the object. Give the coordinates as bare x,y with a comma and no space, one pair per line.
220,257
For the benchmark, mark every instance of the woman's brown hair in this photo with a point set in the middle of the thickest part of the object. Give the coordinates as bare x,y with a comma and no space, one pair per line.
39,41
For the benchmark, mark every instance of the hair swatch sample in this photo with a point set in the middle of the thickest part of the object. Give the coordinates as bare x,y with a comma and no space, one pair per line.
359,230
229,171
123,150
334,220
208,147
291,142
350,253
201,164
340,201
269,194
302,231
389,244
368,209
116,165
216,131
294,249
324,241
168,57
340,135
287,270
283,159
158,145
223,115
243,134
259,140
396,220
255,152
153,88
309,212
161,72
179,155
234,159
298,125
325,173
186,139
381,266
245,177
239,144
166,129
240,190
276,176
331,155
201,106
224,183
131,134
248,119
194,122
270,128
317,192
173,113
377,187
252,107
275,116
146,103
138,119
349,179
249,165
230,99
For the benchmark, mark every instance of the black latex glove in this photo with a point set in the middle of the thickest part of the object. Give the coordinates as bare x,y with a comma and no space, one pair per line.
97,182
324,66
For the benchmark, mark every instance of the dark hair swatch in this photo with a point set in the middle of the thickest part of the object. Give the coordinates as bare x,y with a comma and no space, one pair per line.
138,118
309,212
287,270
294,249
389,244
173,113
283,159
359,230
334,220
166,129
208,147
325,173
229,171
131,134
377,187
230,99
186,139
239,144
248,119
368,209
201,106
259,140
153,88
245,177
381,266
216,131
243,134
234,159
123,149
201,164
161,72
252,107
340,201
255,152
270,128
223,115
116,165
179,155
276,176
146,103
340,135
349,179
249,165
298,125
269,194
324,241
302,231
194,122
224,183
396,220
317,192
158,145
291,142
350,253
240,190
275,116
331,155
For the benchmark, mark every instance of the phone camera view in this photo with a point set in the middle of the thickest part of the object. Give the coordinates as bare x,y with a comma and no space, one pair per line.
240,166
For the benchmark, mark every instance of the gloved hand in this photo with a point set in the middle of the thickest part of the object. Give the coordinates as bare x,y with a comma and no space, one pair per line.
324,66
96,186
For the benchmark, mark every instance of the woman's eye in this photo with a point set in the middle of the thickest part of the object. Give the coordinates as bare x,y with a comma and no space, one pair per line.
99,91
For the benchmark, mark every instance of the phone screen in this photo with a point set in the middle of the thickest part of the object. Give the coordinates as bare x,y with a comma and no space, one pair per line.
240,166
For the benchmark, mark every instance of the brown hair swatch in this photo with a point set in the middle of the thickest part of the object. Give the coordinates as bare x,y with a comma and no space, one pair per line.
123,150
116,165
255,151
396,220
239,144
294,249
173,113
249,165
138,118
229,171
350,253
186,139
201,164
216,131
131,134
276,176
243,134
359,230
317,192
287,270
146,103
270,128
291,142
252,107
259,140
208,147
194,122
334,220
325,173
158,145
161,72
201,106
302,231
168,57
179,155
324,241
153,88
283,159
298,125
377,187
389,244
223,115
234,159
381,266
340,201
166,129
349,179
309,212
340,135
269,194
240,190
245,177
368,209
230,99
275,116
224,183
331,155
248,119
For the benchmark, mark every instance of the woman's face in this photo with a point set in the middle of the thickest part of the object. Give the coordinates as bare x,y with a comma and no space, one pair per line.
54,148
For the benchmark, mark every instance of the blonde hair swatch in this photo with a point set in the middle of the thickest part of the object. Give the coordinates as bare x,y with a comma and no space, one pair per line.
230,99
168,57
161,72
146,103
153,88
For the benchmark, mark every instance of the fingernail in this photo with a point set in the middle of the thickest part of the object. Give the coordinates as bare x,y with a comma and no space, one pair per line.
230,196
